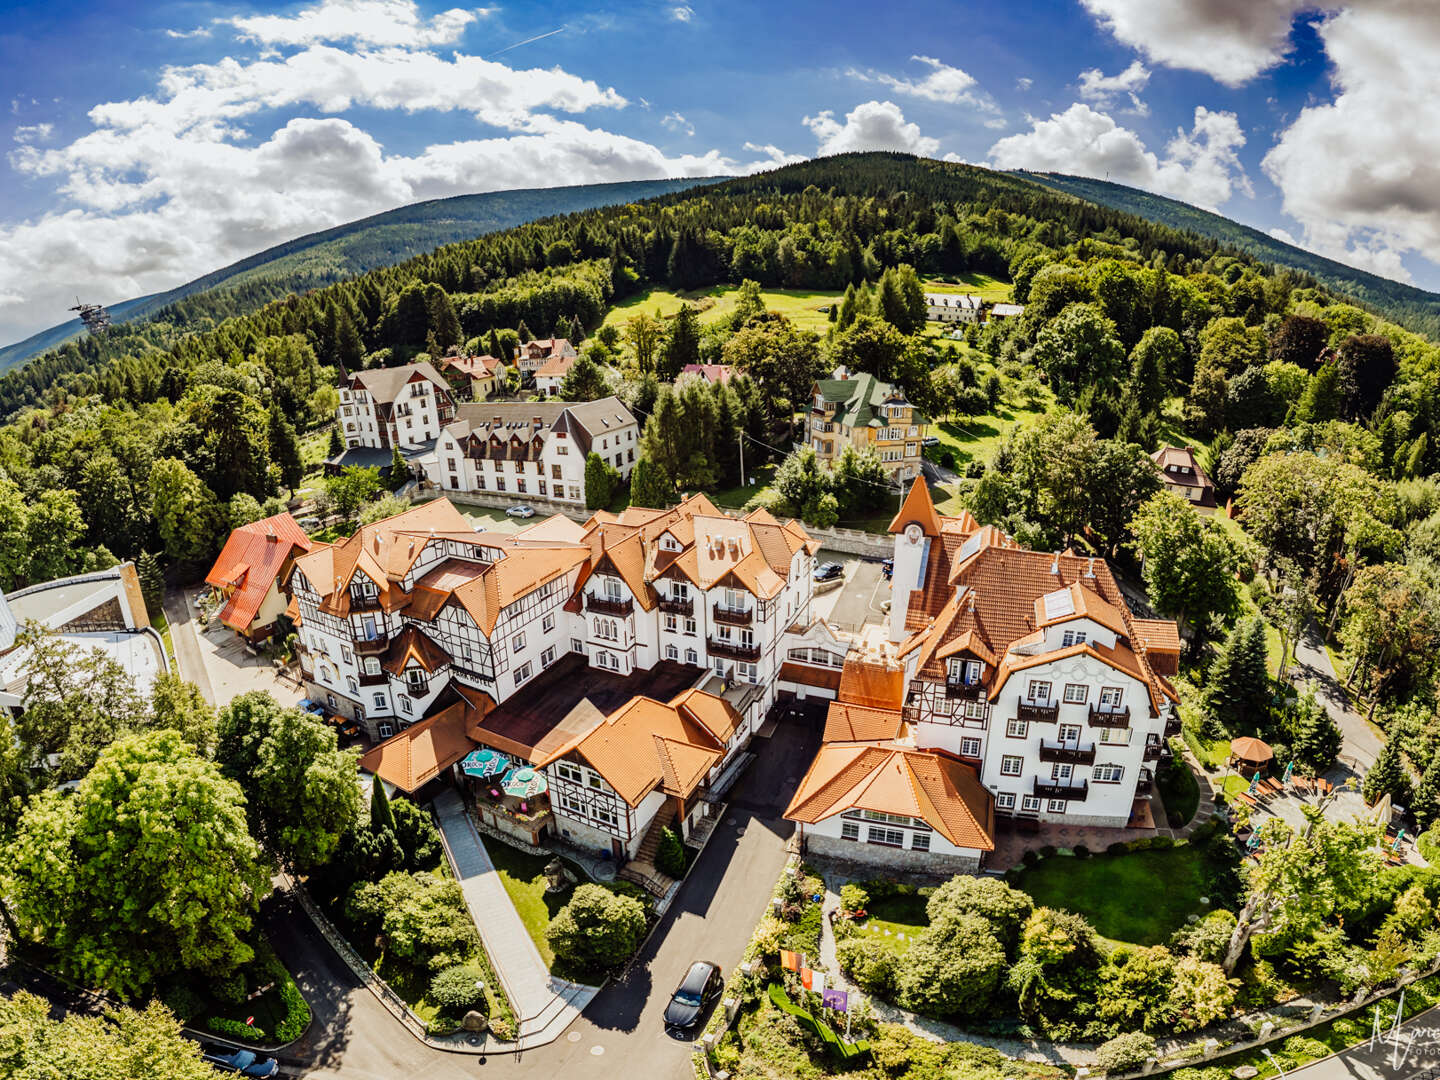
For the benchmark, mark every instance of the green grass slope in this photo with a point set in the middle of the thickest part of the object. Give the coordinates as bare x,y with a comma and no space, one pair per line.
384,239
1410,307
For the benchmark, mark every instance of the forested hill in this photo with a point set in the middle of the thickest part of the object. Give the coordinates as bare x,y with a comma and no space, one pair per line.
1410,307
321,258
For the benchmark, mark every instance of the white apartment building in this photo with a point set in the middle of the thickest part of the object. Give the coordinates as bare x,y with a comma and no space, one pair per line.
402,406
953,308
535,449
534,355
546,644
1030,666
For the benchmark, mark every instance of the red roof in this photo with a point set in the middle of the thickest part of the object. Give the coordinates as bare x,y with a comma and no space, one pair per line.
250,562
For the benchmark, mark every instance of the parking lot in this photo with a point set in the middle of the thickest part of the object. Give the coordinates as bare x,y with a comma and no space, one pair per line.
859,600
491,520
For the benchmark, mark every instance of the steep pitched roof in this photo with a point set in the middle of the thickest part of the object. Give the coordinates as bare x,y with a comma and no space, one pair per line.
413,644
251,562
892,778
856,723
385,384
877,685
423,751
857,401
919,508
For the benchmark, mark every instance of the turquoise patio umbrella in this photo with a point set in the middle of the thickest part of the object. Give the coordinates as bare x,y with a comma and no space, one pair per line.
483,763
524,783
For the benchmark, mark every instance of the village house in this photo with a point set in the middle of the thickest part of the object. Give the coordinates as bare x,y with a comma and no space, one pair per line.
567,648
1029,665
711,373
534,355
1183,476
248,571
863,412
474,378
1004,311
551,374
533,448
953,308
401,406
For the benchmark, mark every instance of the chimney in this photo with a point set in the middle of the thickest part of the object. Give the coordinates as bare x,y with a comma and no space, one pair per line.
1090,569
1055,565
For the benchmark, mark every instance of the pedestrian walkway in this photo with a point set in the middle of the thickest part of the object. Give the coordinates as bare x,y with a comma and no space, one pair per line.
1362,745
544,1004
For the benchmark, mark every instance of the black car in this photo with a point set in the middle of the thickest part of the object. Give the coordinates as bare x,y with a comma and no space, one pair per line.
827,571
244,1062
702,985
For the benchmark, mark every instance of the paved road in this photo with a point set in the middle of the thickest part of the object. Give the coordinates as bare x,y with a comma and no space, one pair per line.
861,596
1414,1054
182,636
711,918
1313,664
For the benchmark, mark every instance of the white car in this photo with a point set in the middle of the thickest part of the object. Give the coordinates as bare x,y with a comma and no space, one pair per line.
521,511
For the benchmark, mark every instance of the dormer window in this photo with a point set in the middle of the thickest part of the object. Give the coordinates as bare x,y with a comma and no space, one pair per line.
965,672
612,589
416,681
1072,637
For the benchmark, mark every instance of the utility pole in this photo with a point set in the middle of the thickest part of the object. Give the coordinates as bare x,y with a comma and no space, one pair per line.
740,438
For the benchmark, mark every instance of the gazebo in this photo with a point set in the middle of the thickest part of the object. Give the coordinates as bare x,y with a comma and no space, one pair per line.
1249,751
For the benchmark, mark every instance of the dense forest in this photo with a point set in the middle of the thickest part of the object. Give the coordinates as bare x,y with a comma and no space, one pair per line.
331,255
1415,309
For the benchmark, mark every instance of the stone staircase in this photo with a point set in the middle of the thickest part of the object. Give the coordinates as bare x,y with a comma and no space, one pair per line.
641,870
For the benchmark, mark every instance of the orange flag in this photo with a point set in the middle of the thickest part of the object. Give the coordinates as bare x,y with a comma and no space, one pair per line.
807,978
790,961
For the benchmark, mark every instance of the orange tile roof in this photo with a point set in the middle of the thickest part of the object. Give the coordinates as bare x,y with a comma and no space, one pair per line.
891,778
878,685
856,723
1159,635
252,560
805,675
423,751
648,744
556,365
919,508
1084,604
414,644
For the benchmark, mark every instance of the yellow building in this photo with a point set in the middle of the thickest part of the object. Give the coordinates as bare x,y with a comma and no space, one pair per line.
867,414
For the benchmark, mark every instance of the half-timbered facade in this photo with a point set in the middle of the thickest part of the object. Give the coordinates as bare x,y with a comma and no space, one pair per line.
401,406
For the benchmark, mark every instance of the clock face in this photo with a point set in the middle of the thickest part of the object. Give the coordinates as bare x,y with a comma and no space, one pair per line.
913,533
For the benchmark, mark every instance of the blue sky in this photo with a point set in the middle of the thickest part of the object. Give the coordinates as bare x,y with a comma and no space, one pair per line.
148,144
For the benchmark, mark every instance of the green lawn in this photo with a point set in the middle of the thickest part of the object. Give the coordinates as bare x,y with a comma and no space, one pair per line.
896,920
981,285
523,875
803,307
1141,896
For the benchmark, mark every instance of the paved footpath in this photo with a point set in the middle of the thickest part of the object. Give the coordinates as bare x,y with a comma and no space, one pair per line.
1412,1053
544,1005
1313,661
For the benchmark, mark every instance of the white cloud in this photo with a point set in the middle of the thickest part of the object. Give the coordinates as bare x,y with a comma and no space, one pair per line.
198,32
682,13
1361,174
1231,40
676,122
774,156
945,84
33,133
874,125
1024,83
1104,90
365,22
1200,166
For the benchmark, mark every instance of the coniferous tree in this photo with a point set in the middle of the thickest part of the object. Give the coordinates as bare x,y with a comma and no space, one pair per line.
399,470
1425,802
337,444
152,583
1238,684
1388,776
650,486
682,344
382,817
285,449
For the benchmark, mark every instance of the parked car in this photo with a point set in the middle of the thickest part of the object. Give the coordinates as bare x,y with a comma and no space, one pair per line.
887,568
521,511
827,571
309,524
701,986
243,1062
930,440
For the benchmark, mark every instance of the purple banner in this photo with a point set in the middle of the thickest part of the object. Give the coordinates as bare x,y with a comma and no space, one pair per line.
838,1000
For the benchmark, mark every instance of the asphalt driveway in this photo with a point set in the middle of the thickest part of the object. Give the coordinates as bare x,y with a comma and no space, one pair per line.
711,918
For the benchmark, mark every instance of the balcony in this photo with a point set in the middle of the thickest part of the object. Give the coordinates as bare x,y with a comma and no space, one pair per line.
605,606
378,679
373,646
964,691
732,616
681,606
1053,752
733,650
1145,785
1038,712
1109,716
1152,751
1172,726
1061,789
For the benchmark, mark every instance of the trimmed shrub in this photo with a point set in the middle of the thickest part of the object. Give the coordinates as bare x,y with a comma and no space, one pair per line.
1123,1052
235,1029
1048,850
854,897
185,1003
670,855
1030,858
1429,844
455,990
1080,851
1117,848
871,964
597,929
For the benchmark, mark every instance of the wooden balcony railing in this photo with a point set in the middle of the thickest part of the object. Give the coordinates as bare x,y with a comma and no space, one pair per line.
604,606
963,690
1172,726
732,616
373,646
734,650
1108,716
1145,785
1038,711
670,606
1152,751
1066,753
1061,789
